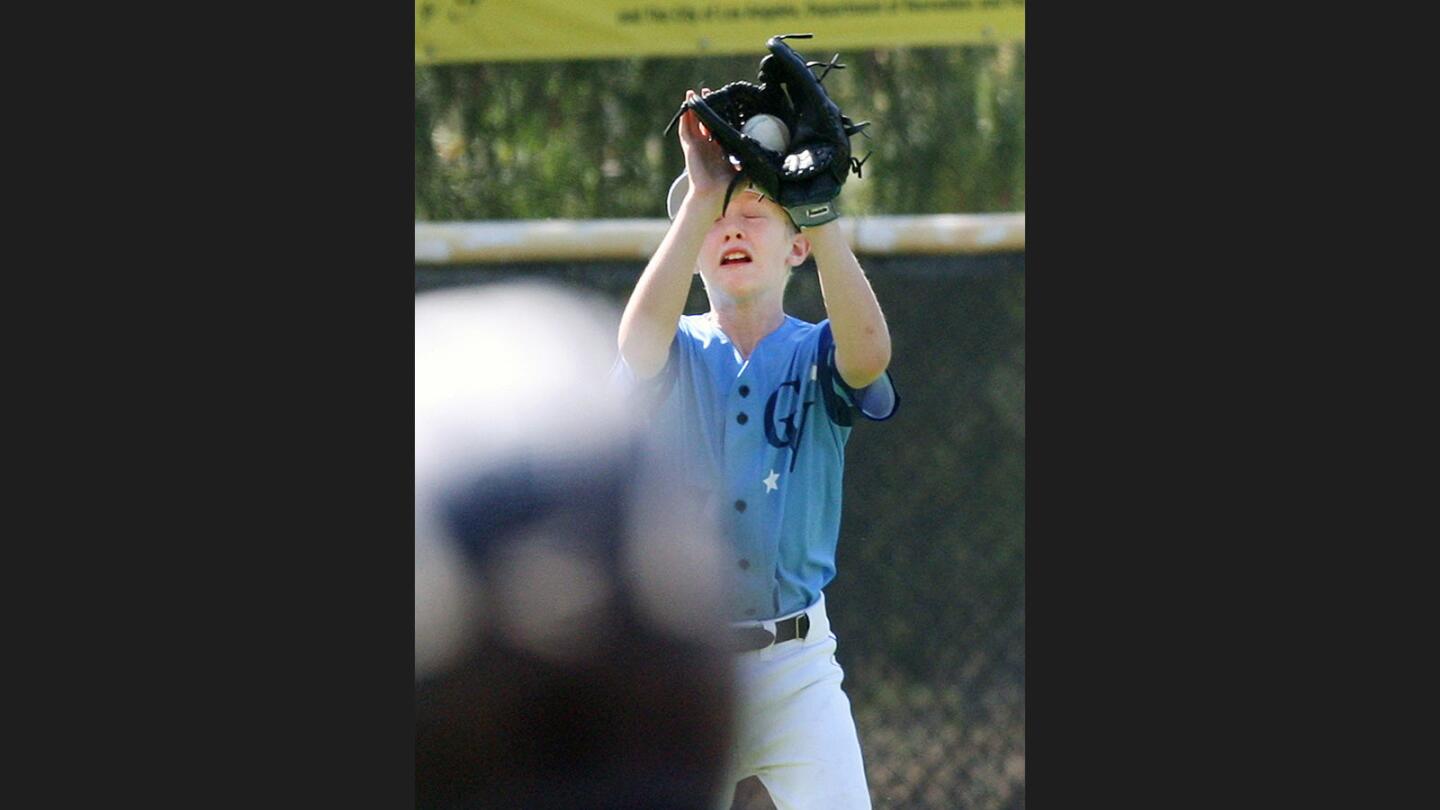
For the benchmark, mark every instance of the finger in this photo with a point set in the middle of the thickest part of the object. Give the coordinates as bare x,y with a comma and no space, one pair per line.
704,131
705,91
695,130
689,123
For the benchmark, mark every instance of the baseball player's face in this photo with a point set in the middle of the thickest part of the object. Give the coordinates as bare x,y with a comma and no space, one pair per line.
751,248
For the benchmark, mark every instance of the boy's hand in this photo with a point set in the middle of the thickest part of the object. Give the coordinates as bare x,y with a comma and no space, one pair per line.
705,162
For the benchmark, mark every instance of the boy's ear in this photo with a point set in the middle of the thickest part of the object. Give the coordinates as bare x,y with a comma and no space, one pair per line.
799,250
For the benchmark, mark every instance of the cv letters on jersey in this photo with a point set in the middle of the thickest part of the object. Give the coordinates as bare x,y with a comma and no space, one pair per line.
791,431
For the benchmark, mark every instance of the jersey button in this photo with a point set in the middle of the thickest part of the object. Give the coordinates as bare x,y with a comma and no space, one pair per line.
744,565
744,390
742,418
739,506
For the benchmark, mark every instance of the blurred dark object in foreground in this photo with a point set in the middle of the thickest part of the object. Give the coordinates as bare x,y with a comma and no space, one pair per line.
567,611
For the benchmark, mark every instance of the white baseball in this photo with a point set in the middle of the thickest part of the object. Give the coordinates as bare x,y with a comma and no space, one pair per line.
770,131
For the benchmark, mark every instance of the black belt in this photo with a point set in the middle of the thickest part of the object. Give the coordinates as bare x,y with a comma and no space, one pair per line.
748,639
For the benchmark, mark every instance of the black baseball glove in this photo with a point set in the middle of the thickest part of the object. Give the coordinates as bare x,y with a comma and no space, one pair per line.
807,177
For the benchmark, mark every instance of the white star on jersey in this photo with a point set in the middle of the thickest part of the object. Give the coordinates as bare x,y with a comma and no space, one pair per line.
772,481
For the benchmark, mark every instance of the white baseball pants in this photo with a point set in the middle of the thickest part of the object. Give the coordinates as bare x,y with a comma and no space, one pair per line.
794,729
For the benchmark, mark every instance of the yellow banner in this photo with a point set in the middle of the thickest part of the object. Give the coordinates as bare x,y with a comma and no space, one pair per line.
505,30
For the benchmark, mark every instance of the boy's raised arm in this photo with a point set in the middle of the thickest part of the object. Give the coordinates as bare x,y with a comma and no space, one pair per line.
862,338
648,324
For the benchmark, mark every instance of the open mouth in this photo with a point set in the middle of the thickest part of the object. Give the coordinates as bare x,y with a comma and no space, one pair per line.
733,257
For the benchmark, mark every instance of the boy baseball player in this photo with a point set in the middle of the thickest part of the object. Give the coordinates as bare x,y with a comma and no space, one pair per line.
754,407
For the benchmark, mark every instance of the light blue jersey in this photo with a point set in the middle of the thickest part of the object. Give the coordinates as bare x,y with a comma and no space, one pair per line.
761,441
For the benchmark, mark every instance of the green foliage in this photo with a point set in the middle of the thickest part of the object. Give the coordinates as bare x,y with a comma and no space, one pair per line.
583,139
